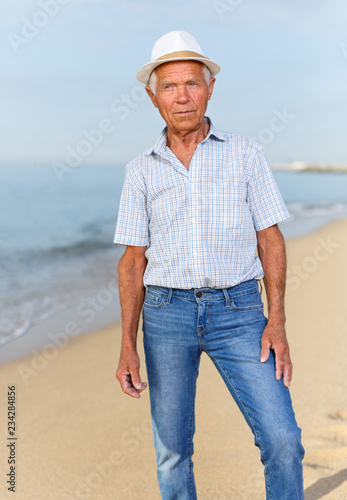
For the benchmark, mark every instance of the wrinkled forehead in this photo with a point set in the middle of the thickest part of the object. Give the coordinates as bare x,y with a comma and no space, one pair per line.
179,69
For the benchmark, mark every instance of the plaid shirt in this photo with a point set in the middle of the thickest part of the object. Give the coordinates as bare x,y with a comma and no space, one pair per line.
199,225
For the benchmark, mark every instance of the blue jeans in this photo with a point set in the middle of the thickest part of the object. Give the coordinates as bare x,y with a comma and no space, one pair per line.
227,324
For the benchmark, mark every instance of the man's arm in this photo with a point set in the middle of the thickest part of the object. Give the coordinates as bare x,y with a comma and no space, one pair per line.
271,251
131,268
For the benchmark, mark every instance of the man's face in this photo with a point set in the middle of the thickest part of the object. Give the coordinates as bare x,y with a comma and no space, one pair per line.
181,94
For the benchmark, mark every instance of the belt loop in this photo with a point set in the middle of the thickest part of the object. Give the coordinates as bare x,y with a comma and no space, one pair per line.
227,298
261,286
168,298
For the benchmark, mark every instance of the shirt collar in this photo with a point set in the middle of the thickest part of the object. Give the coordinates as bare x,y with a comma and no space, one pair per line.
161,142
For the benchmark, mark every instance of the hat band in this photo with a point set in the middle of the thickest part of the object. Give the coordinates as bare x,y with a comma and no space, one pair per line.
181,53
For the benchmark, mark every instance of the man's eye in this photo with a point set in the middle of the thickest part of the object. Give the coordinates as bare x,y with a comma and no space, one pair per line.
168,87
192,84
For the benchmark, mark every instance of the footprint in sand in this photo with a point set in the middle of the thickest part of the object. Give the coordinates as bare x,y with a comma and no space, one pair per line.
339,415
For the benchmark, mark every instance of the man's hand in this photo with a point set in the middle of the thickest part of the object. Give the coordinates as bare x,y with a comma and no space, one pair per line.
274,337
128,373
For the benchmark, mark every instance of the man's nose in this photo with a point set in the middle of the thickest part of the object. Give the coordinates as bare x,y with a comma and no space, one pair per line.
182,95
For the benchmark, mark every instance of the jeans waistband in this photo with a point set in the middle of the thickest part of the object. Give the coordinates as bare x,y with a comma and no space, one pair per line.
212,293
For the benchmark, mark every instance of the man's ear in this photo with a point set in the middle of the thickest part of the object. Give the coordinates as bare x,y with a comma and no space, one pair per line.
210,88
151,95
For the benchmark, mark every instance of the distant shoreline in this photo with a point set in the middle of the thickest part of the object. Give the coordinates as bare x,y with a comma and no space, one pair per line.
300,166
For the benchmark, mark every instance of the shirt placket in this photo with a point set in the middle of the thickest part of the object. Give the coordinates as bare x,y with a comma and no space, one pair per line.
194,229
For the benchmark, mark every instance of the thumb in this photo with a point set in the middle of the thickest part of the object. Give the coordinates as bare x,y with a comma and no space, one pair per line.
265,352
136,380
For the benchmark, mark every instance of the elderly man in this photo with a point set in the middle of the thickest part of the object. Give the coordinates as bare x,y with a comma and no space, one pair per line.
194,209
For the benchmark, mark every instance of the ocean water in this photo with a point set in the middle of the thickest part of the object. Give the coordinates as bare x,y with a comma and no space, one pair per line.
56,249
56,252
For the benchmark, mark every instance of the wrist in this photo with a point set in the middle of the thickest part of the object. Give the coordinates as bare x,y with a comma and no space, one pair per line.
277,318
128,344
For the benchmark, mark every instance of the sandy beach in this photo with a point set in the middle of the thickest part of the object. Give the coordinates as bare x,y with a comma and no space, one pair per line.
80,437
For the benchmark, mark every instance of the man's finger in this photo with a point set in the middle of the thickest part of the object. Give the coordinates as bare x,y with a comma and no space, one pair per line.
279,368
140,386
136,380
279,357
287,371
127,386
143,386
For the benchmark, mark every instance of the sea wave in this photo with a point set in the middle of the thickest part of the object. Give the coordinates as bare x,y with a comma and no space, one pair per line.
316,209
21,318
17,332
75,249
79,247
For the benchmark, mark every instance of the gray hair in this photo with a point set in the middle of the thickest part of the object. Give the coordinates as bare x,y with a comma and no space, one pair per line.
153,78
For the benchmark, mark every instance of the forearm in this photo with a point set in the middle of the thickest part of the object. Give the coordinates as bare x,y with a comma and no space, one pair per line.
271,250
131,268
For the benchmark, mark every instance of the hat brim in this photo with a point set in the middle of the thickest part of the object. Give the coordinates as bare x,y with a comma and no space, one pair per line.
145,72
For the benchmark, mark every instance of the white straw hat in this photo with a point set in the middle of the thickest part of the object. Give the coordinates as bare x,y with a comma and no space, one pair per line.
175,46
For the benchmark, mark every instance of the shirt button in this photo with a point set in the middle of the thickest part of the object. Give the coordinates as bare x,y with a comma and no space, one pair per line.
199,294
195,254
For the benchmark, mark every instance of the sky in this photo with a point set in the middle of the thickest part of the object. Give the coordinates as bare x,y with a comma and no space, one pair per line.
69,92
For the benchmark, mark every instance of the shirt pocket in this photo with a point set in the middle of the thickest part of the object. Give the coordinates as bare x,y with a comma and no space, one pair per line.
224,203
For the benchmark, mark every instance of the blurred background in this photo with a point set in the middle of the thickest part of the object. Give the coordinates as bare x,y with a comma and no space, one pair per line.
73,115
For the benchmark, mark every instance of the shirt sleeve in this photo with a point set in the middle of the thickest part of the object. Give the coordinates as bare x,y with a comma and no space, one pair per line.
263,196
132,220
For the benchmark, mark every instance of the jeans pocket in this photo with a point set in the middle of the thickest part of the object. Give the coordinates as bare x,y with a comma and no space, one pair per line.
154,298
247,301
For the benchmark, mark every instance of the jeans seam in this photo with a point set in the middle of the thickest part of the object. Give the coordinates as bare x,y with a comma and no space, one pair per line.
250,419
158,306
190,439
246,308
248,291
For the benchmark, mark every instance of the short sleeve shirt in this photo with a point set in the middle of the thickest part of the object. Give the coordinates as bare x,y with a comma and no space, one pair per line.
199,225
